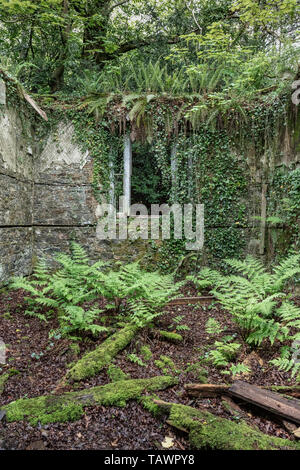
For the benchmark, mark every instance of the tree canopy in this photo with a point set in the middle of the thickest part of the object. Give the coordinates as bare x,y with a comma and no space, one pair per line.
65,46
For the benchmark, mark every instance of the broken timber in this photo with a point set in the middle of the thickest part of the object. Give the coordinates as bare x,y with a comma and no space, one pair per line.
203,300
208,390
270,401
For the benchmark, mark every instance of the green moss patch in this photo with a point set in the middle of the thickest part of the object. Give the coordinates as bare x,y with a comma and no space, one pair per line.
169,336
166,364
207,431
91,363
146,353
116,374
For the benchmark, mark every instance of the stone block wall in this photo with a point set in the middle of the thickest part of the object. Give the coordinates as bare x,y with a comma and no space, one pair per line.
46,196
16,197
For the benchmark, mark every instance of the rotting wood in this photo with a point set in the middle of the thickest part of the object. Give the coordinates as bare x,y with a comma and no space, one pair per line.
266,399
207,431
34,105
200,389
232,407
205,390
203,300
290,427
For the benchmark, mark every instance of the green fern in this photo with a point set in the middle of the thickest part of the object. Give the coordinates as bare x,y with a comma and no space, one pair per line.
239,368
252,297
142,294
213,327
223,353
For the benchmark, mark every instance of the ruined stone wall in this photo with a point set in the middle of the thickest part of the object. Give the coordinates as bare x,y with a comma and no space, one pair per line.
46,195
16,197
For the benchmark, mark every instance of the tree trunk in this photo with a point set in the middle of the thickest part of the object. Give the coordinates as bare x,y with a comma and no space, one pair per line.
207,431
70,406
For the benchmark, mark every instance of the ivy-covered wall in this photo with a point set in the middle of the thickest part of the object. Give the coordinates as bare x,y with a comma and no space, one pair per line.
54,174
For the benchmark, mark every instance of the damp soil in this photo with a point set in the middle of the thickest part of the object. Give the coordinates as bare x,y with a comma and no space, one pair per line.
39,362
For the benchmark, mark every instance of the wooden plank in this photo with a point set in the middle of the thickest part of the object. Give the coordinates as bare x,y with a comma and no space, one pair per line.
35,106
198,389
205,390
270,401
204,300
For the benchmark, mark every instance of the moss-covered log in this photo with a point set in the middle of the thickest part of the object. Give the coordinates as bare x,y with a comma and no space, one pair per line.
92,362
207,431
70,406
170,336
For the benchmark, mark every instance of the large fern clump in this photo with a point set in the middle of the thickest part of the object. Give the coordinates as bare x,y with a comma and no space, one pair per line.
141,294
257,300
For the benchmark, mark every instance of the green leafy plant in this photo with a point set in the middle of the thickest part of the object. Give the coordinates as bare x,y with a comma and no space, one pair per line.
213,327
142,294
146,352
252,298
166,364
75,318
223,353
177,325
136,359
239,368
285,362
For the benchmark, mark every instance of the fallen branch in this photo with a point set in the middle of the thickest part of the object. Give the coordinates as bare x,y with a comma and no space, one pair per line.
70,406
233,408
202,300
207,431
206,390
92,362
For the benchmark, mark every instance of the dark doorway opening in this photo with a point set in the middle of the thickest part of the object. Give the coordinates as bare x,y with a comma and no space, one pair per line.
147,186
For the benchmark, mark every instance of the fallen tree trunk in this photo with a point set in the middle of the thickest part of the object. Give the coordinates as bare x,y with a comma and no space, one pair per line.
92,362
207,431
70,406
